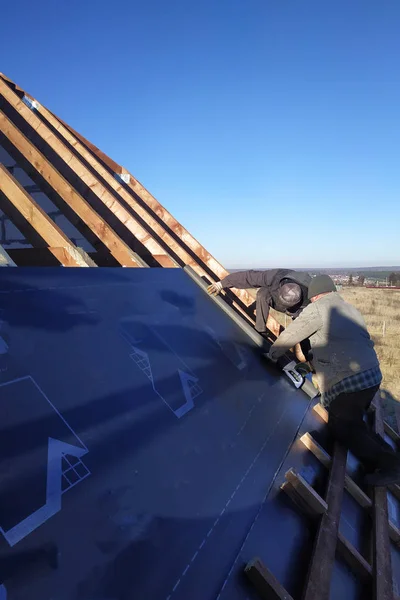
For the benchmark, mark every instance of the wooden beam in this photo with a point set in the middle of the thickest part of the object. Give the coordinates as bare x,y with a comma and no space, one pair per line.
19,91
109,162
103,232
95,158
264,582
353,489
383,579
319,576
350,485
306,492
24,210
173,225
48,256
176,231
313,505
321,412
353,558
83,174
204,259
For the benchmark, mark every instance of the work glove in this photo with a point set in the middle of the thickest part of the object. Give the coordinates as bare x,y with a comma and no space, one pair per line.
215,288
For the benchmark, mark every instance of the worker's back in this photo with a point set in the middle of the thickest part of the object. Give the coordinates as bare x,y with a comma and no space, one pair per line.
342,345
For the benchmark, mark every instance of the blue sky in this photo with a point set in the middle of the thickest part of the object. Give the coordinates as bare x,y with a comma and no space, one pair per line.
270,129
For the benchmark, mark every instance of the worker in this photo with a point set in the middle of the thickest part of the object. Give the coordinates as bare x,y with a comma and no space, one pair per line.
348,374
285,290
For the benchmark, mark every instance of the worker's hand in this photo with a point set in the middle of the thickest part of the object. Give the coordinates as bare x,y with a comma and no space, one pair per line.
215,288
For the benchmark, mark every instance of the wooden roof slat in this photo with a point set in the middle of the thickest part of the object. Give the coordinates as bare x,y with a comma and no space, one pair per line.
178,249
103,232
28,211
154,225
84,174
154,222
181,232
382,562
323,557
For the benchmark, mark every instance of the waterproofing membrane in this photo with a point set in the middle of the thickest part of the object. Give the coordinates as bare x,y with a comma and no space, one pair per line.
140,432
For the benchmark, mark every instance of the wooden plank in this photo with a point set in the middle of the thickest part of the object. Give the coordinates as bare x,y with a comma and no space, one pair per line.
27,211
14,86
353,489
350,485
103,232
304,489
319,576
353,558
204,258
265,583
300,502
321,412
245,298
85,175
175,245
383,579
162,213
109,162
313,505
49,256
319,452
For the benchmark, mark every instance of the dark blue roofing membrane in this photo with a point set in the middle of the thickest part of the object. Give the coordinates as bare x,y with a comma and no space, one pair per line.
140,433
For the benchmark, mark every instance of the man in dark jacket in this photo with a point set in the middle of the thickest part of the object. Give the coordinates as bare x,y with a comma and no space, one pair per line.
283,289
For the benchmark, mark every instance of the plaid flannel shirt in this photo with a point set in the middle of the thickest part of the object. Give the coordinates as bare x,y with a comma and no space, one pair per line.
354,383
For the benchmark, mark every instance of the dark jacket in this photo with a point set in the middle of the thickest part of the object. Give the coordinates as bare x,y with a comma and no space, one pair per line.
272,280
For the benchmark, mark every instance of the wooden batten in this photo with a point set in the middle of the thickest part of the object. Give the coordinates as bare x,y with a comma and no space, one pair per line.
83,174
39,164
176,229
27,215
175,244
382,560
323,558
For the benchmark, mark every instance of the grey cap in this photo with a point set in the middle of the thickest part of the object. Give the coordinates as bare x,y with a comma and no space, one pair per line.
321,284
290,294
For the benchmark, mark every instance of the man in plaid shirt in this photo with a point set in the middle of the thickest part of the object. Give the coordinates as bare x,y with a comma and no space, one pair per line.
348,374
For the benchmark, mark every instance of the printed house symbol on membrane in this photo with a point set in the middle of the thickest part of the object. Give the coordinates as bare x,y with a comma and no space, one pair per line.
41,458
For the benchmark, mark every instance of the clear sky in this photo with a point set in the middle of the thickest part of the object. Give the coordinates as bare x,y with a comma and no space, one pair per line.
270,129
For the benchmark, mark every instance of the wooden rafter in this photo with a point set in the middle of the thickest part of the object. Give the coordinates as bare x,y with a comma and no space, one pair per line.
63,190
83,174
29,217
131,212
186,238
176,248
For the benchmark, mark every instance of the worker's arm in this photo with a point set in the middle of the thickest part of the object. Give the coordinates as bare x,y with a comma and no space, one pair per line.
249,279
244,280
307,323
